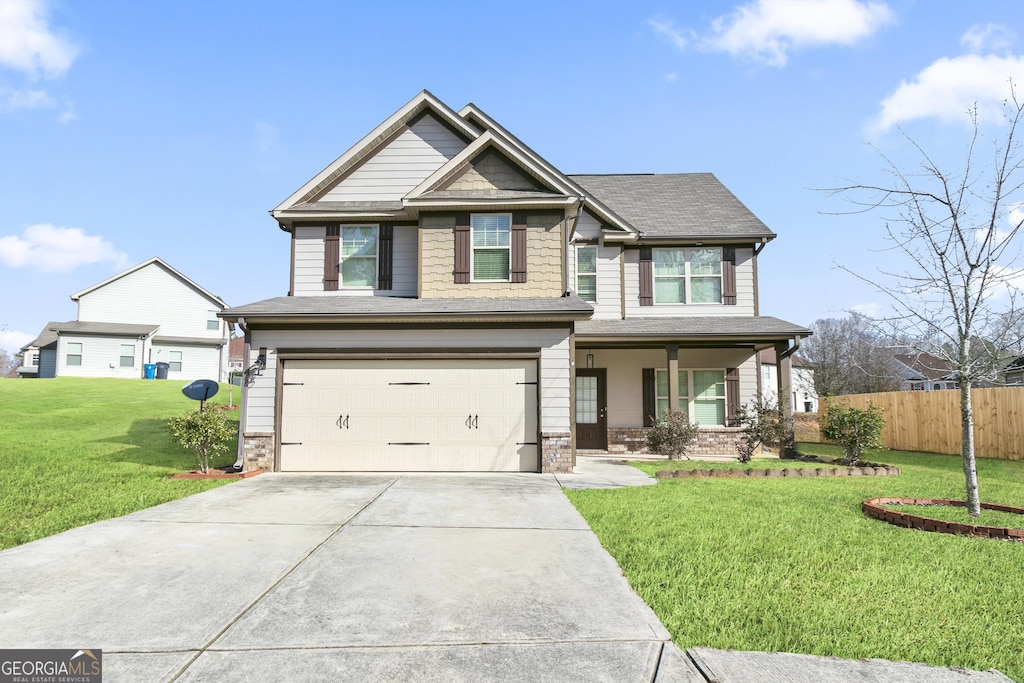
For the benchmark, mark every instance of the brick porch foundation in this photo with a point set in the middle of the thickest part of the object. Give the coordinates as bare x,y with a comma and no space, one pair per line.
258,451
556,453
717,441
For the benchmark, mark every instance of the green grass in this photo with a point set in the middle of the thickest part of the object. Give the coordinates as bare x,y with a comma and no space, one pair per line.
793,565
76,450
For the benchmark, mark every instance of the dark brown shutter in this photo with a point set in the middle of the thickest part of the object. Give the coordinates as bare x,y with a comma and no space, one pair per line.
518,247
385,251
732,396
332,257
646,277
650,397
729,276
462,248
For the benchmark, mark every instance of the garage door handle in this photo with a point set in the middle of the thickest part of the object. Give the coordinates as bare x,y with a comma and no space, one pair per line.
342,422
473,421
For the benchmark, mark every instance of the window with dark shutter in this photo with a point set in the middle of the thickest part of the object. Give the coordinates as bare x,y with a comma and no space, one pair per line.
385,256
462,248
732,395
332,257
646,278
650,397
729,276
518,247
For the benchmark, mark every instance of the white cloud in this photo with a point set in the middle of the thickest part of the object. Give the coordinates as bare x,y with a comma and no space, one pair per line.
13,340
870,309
49,248
987,38
69,114
15,100
28,44
667,30
671,77
768,30
950,86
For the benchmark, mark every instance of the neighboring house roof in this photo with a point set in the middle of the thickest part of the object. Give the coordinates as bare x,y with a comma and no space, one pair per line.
1015,365
369,307
767,357
694,205
236,348
924,366
760,327
188,341
104,329
47,337
163,264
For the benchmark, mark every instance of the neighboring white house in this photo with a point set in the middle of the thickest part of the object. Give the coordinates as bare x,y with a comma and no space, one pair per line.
924,372
148,314
805,398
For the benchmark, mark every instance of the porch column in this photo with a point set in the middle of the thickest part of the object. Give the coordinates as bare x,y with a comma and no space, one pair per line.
785,388
673,376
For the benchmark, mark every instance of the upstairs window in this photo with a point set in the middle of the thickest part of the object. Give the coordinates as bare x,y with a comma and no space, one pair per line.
358,256
492,246
586,273
688,276
212,322
73,353
127,355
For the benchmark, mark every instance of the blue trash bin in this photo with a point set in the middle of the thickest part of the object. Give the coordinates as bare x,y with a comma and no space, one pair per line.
150,370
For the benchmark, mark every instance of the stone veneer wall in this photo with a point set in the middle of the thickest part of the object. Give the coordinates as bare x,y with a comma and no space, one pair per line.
543,259
719,441
556,453
258,451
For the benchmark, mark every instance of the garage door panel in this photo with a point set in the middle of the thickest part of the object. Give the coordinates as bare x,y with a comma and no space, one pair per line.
410,415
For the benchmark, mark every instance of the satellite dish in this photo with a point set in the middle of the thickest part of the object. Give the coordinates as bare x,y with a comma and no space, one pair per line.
200,390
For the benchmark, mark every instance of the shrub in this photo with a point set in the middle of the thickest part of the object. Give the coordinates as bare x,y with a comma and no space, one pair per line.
853,429
762,426
672,434
204,432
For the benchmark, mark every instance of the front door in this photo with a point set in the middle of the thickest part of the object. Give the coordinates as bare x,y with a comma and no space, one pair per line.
591,409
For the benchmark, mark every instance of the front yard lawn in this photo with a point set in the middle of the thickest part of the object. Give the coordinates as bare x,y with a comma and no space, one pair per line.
76,450
793,565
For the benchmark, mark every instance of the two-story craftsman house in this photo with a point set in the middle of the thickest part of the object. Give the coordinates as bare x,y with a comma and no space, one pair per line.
458,304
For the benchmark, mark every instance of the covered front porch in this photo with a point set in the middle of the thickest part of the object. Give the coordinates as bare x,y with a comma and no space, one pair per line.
626,373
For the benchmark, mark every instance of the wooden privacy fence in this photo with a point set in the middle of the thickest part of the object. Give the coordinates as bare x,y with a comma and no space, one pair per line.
930,420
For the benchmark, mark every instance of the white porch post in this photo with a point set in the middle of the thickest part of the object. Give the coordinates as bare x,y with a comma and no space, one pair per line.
673,376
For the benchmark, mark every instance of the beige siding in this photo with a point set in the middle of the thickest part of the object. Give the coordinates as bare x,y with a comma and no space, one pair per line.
744,291
554,361
153,296
625,384
400,165
403,263
492,171
309,264
101,357
543,253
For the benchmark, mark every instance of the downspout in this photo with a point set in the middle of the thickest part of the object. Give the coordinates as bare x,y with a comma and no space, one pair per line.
787,449
243,401
565,243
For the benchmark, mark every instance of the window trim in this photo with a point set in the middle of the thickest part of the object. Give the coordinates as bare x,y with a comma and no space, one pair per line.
68,355
687,276
690,397
376,256
593,274
122,356
171,362
211,317
473,248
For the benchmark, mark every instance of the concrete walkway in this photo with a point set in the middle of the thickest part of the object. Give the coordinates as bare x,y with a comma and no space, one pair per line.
362,578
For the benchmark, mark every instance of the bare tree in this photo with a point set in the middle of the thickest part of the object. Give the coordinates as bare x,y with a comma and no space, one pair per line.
849,357
955,231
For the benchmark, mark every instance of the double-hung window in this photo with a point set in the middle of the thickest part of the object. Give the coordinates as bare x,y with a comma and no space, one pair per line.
492,246
174,361
358,256
701,395
73,353
688,276
212,322
127,355
586,273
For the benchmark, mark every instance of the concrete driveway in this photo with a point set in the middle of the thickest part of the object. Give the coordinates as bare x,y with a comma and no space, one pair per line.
350,577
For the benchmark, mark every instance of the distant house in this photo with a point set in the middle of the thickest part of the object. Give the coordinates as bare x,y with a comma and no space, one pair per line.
804,398
924,372
150,313
1013,373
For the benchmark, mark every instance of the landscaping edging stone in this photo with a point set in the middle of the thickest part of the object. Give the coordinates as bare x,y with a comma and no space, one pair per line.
217,474
875,509
880,471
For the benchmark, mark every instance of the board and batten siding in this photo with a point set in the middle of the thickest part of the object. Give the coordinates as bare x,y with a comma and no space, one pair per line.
744,291
399,165
309,263
625,375
47,363
553,366
153,296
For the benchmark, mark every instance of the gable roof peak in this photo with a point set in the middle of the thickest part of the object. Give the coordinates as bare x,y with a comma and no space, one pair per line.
156,260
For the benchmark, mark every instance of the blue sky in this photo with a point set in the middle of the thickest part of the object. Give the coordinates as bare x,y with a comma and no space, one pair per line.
135,129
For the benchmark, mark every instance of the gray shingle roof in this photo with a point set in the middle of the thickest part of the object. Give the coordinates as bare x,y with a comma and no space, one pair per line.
46,337
676,205
392,306
705,326
189,341
108,329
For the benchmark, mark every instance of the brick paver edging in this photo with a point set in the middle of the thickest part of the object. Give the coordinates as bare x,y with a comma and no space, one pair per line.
788,472
875,508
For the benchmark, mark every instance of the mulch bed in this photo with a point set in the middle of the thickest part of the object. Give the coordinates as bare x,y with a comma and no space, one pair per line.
217,473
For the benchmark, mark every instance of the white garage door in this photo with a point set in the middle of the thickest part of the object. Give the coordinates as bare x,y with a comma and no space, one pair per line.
409,415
